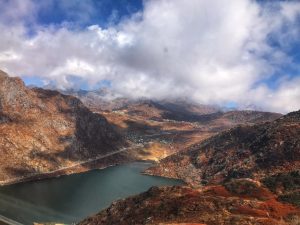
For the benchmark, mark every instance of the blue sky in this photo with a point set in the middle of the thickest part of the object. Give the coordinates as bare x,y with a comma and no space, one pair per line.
107,12
227,52
103,12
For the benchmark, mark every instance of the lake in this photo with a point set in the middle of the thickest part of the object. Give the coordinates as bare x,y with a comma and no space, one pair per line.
71,198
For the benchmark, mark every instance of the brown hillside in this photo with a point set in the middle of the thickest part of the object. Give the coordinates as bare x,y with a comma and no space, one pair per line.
43,130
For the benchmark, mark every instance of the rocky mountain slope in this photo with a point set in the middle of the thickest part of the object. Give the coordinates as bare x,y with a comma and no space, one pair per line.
240,202
177,110
144,123
245,151
43,130
163,127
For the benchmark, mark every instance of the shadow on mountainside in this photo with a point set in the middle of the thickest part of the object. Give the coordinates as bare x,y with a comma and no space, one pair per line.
92,137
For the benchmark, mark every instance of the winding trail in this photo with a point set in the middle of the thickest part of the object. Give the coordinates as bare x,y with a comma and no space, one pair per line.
7,221
18,179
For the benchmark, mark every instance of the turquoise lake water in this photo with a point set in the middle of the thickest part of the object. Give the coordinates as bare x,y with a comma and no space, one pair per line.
69,199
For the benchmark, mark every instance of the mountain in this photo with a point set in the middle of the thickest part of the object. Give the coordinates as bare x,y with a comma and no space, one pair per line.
164,127
171,129
245,151
107,100
102,99
167,109
44,130
246,175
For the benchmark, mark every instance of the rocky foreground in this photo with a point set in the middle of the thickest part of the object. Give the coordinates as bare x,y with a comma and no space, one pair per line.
238,202
43,130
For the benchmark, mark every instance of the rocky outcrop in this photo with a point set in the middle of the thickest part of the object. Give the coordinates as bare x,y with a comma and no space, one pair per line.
43,130
236,203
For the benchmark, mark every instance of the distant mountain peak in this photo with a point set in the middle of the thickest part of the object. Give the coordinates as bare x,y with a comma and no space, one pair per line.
3,74
295,115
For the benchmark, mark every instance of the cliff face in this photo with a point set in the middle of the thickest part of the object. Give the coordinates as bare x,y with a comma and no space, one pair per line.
43,130
246,151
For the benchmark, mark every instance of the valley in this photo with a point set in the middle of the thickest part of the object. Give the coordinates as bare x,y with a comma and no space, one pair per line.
46,133
150,112
217,153
245,175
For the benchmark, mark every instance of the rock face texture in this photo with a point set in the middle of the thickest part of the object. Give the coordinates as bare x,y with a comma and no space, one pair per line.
242,152
236,203
43,130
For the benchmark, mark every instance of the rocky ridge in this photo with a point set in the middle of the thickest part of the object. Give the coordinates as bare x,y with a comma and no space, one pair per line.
245,151
43,130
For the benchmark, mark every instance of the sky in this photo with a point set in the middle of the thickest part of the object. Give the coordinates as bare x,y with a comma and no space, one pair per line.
241,53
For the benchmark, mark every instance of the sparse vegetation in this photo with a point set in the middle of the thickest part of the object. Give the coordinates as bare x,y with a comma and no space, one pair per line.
293,198
286,181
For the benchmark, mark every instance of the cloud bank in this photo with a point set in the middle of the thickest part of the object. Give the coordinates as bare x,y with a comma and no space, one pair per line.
211,52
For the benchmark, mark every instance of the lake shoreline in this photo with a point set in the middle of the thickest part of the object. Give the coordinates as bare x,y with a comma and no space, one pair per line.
72,198
99,162
76,169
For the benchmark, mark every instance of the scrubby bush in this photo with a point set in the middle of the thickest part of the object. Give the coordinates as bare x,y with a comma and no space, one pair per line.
289,181
292,198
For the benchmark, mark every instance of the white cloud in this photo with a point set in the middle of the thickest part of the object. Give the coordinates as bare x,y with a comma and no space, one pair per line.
15,11
210,51
284,99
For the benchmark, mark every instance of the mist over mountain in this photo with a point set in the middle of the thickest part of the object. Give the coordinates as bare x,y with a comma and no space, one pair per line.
115,97
224,53
105,98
